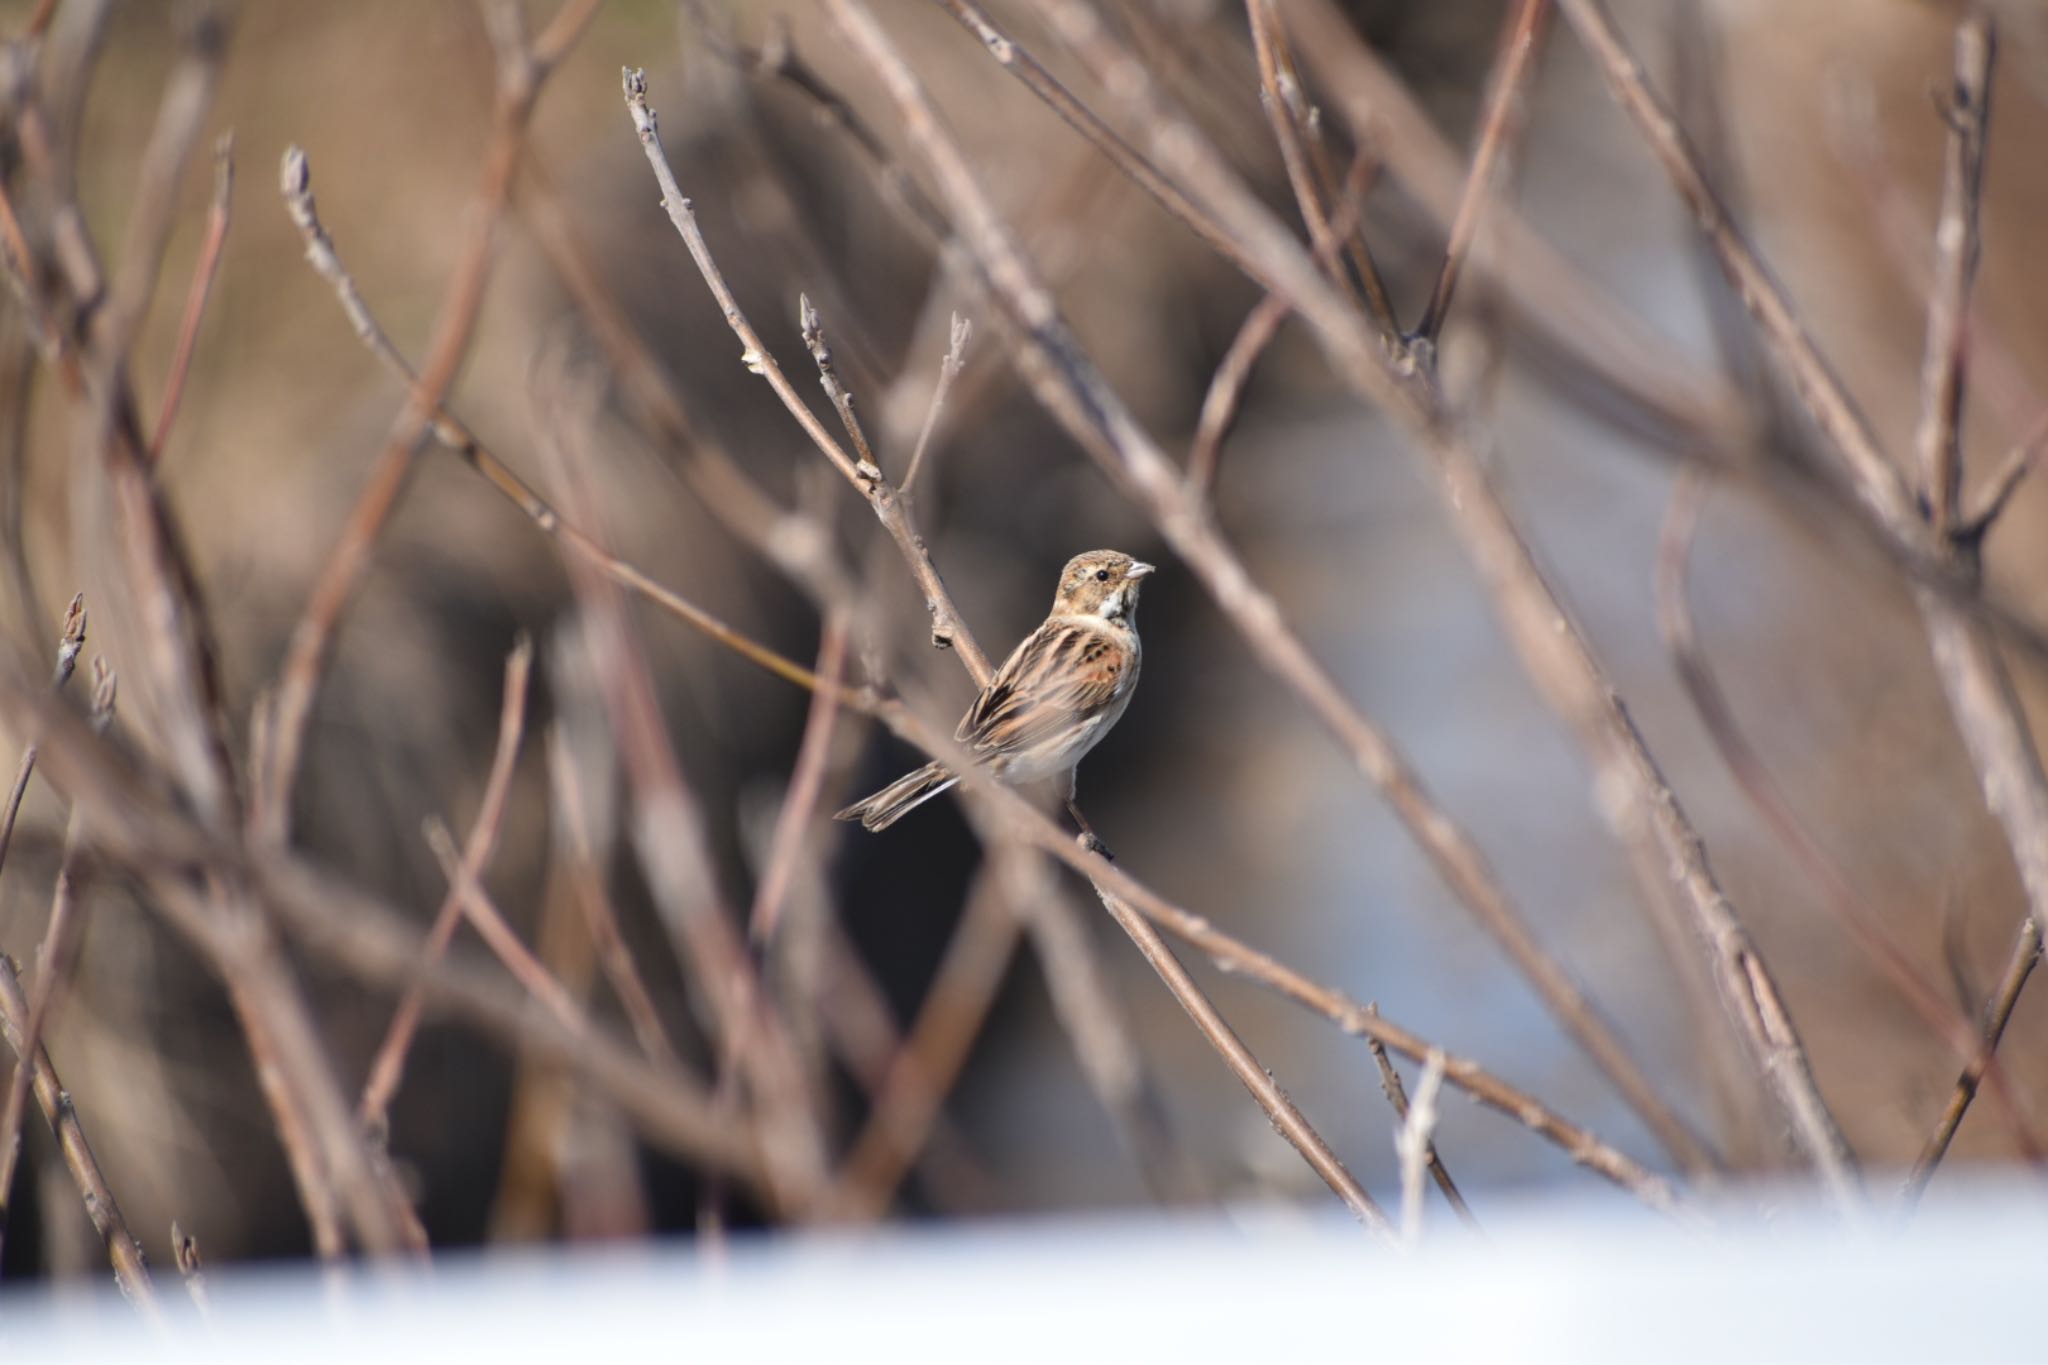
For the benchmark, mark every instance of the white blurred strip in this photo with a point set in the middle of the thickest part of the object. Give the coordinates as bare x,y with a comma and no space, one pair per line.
1967,1280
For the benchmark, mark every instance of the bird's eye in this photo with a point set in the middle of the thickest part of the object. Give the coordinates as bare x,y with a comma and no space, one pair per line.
1102,575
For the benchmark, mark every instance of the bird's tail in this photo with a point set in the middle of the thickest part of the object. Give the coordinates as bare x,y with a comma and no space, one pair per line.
899,798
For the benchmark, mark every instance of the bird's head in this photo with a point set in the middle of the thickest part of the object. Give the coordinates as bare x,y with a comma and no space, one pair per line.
1101,583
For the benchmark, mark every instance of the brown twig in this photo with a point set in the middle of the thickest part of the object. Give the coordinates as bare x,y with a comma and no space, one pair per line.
1287,1119
122,1249
573,828
1522,34
2026,955
2011,469
812,330
1397,1096
949,370
191,1269
387,1069
1958,238
1226,391
55,958
1280,97
806,780
1297,130
490,925
1226,387
203,273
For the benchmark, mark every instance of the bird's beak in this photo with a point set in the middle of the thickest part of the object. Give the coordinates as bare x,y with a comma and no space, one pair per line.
1138,570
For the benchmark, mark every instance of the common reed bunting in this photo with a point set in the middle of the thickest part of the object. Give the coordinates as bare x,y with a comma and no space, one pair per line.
1053,699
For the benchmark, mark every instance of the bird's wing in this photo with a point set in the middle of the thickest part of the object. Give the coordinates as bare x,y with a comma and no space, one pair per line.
1058,678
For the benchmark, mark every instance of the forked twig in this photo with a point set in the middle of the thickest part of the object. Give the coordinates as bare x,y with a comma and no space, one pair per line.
1522,34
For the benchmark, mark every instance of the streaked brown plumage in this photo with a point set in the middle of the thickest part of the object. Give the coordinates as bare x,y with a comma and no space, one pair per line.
1053,699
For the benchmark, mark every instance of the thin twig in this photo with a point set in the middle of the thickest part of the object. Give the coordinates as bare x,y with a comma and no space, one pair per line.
806,779
572,825
203,273
949,370
1298,131
1412,1143
123,1250
1506,114
1958,237
387,1069
1226,390
490,925
812,330
2026,955
1254,335
1095,1020
2006,476
1397,1096
1280,96
55,958
191,1269
1573,317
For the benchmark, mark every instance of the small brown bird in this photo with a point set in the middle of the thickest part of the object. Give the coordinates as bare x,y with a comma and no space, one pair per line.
1053,699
